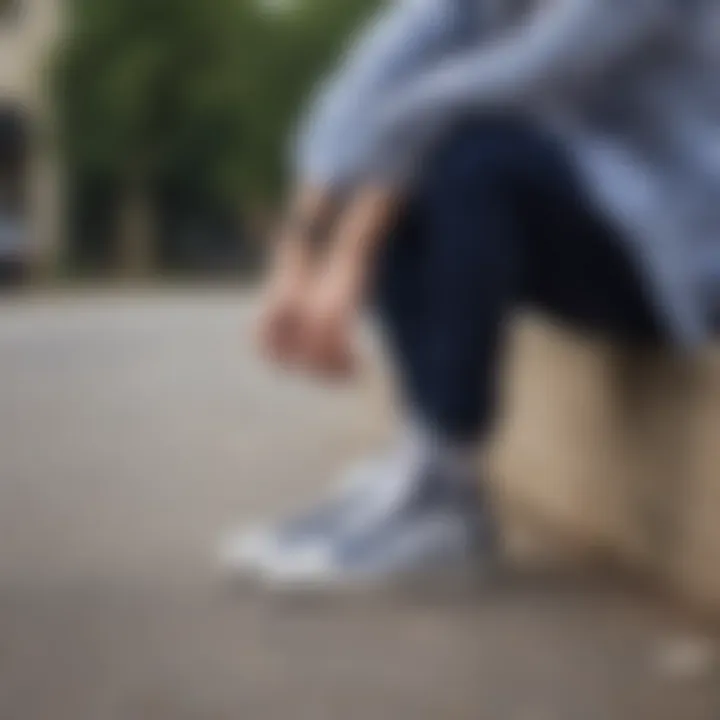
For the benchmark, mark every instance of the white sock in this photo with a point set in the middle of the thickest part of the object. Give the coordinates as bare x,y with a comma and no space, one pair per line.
459,459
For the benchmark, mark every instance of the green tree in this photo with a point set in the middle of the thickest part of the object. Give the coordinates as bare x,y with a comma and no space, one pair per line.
201,94
146,89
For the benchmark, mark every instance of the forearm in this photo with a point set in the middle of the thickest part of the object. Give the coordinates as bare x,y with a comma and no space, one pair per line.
364,226
304,227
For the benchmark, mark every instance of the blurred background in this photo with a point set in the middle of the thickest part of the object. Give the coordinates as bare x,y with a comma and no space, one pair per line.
143,149
149,138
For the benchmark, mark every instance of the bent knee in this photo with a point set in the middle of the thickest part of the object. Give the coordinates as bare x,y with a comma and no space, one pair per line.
490,150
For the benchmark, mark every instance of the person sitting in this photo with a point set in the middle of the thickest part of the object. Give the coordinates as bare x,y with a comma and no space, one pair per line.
469,157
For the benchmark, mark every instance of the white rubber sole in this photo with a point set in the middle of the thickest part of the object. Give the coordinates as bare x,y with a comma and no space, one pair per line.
459,583
244,553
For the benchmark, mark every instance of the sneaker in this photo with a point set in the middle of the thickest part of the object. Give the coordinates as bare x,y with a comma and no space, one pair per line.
434,529
251,549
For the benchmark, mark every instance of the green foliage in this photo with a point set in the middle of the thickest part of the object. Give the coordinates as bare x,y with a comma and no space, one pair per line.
192,100
147,88
210,88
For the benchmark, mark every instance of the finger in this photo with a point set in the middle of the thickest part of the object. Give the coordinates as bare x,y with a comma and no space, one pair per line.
278,340
327,353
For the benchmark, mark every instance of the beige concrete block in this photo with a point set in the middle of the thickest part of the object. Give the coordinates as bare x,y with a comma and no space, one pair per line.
603,451
661,420
562,447
696,564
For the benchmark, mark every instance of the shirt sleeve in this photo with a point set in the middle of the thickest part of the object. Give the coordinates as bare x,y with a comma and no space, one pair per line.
565,42
336,137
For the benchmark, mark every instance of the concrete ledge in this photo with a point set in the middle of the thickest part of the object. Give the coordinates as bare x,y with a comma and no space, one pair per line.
601,453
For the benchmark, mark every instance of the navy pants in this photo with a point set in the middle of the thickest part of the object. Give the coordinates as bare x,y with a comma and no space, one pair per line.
499,220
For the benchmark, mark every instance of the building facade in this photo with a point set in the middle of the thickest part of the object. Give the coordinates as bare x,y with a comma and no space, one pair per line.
31,226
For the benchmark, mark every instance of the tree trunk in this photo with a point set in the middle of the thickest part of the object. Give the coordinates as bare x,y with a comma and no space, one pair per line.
136,232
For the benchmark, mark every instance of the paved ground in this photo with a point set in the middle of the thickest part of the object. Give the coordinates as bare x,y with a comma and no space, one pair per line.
133,430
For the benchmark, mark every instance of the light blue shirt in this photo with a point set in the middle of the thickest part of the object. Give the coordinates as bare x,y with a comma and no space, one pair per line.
420,63
340,132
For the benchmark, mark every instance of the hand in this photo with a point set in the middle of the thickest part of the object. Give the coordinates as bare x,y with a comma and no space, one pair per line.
329,321
281,317
331,315
287,290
